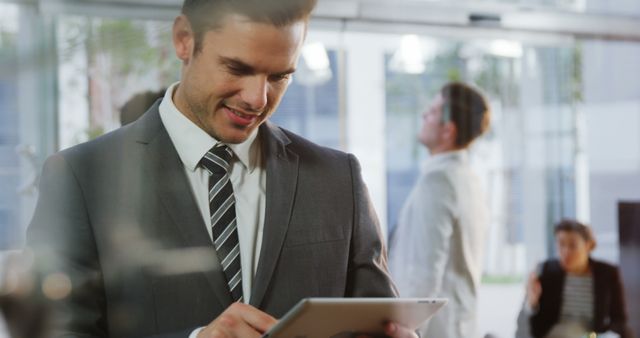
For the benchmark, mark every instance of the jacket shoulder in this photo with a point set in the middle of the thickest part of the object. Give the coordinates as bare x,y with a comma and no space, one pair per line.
308,149
105,144
602,267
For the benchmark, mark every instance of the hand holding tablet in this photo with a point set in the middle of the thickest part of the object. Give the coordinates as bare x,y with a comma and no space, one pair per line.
342,317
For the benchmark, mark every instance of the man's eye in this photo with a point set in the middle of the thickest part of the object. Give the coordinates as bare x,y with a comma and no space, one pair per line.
238,71
280,77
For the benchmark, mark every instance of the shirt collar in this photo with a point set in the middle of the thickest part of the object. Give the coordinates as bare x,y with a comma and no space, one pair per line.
192,143
442,158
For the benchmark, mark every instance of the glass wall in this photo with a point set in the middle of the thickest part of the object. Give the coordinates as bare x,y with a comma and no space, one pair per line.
530,161
311,105
104,63
563,143
85,68
564,140
618,7
9,127
533,92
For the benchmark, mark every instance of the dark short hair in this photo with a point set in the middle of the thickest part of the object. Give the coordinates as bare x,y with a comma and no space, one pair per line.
467,108
570,225
206,15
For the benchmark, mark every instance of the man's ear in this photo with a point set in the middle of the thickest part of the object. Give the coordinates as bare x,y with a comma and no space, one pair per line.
450,133
183,38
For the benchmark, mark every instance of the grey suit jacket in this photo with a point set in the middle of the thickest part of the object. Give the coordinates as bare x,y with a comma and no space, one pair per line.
117,217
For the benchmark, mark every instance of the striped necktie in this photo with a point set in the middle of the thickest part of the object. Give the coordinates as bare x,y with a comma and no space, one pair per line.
223,216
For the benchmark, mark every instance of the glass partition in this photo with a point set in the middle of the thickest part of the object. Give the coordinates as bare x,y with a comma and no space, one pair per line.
533,92
104,63
9,127
619,7
564,141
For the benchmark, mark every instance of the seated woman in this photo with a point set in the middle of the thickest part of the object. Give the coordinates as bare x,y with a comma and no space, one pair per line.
576,294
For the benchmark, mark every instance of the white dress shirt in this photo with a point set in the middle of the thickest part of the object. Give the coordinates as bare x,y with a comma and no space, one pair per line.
438,245
248,178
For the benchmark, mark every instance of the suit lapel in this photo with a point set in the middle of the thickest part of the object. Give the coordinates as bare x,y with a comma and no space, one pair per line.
174,190
282,178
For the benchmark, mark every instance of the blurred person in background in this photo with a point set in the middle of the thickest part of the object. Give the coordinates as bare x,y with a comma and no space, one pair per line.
20,316
202,218
574,294
138,104
438,244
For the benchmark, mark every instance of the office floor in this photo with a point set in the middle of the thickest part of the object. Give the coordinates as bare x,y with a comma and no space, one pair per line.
498,307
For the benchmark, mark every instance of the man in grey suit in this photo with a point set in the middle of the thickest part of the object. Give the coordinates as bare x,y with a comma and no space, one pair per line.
438,244
202,219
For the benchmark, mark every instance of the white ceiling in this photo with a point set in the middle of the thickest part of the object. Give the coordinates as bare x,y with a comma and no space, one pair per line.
392,15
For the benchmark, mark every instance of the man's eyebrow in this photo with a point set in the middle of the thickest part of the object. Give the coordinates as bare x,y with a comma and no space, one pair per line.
244,67
235,64
288,71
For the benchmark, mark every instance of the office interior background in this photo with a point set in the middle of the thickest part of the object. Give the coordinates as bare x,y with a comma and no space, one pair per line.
562,77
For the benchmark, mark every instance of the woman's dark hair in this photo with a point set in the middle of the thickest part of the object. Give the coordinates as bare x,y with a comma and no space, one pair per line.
467,108
570,225
205,15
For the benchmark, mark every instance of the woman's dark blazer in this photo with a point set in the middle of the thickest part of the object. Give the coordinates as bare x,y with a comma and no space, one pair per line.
609,310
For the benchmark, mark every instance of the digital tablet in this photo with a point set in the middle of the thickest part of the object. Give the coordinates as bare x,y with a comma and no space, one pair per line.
341,317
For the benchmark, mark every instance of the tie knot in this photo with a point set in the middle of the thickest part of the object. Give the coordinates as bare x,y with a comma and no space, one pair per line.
218,159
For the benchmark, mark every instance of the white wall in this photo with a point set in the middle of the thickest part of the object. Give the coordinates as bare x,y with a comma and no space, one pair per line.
365,113
612,108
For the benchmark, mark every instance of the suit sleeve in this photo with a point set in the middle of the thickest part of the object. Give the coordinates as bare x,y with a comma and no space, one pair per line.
66,261
619,323
539,320
368,275
428,223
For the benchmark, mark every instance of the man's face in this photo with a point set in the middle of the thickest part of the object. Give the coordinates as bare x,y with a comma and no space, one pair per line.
432,127
238,78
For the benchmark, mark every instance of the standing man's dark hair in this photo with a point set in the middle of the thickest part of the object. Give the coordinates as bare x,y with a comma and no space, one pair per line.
205,15
468,109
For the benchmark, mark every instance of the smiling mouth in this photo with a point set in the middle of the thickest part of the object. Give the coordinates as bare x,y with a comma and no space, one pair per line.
241,119
243,115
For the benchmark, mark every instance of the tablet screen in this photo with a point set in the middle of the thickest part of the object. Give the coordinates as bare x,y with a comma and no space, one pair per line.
342,317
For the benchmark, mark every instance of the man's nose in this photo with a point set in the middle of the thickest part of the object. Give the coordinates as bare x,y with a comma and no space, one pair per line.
254,93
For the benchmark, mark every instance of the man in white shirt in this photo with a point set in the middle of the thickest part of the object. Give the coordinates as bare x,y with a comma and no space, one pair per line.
438,244
202,219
